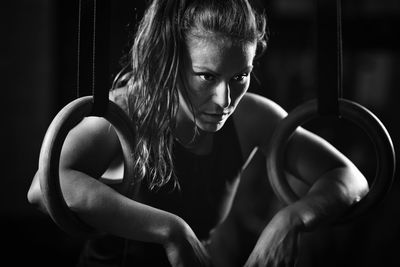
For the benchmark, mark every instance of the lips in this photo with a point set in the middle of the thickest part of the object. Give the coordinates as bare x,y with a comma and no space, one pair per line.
215,114
214,117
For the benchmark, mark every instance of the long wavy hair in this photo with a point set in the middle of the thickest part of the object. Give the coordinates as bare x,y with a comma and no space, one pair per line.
153,74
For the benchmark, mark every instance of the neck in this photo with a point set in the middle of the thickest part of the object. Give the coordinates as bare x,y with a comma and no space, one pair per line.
191,137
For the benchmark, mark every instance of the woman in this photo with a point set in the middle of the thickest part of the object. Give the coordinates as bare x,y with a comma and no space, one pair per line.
197,129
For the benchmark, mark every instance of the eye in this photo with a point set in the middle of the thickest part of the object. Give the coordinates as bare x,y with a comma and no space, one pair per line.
206,77
240,77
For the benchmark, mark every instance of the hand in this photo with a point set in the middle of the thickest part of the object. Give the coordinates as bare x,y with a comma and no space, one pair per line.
278,243
185,250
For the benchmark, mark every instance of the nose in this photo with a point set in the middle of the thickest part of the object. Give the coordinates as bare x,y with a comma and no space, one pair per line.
222,95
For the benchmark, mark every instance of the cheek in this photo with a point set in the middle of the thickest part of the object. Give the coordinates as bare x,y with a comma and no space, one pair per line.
198,94
238,92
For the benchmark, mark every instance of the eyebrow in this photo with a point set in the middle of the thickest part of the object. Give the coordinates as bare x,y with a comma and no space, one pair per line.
205,69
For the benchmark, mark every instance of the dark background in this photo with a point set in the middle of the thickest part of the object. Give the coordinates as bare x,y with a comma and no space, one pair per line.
38,70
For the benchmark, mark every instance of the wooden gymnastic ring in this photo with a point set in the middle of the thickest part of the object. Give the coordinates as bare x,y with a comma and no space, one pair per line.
49,160
360,116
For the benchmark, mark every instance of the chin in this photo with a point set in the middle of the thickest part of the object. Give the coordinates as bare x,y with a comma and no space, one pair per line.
210,127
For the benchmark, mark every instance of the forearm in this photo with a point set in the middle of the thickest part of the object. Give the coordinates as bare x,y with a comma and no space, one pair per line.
109,211
329,197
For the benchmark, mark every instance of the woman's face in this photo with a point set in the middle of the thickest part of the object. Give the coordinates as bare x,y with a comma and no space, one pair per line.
217,75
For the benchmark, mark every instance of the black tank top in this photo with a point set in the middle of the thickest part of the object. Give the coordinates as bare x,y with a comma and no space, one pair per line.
205,194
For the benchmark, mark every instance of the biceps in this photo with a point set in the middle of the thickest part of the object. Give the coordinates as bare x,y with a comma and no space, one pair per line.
309,156
90,147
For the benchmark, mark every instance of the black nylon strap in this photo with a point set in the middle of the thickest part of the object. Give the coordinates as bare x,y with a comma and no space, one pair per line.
93,52
85,47
329,56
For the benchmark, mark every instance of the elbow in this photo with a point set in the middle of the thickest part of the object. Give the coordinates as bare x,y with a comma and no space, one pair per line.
356,184
76,198
35,198
34,195
362,189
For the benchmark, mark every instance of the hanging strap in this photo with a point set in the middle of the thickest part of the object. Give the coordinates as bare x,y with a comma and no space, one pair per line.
93,52
329,56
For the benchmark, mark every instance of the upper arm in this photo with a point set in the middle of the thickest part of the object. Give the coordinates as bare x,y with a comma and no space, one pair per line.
93,145
257,118
90,147
307,156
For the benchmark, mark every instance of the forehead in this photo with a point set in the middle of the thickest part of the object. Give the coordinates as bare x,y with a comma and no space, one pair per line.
216,51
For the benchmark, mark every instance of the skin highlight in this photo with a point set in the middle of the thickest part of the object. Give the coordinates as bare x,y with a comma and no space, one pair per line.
216,77
186,89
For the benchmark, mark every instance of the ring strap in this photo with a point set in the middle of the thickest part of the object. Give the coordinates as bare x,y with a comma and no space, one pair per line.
93,52
329,56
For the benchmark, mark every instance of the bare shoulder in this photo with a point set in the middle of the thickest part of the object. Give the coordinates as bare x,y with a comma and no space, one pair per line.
255,104
256,118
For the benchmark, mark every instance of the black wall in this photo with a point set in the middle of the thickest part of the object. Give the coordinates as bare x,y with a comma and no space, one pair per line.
38,70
